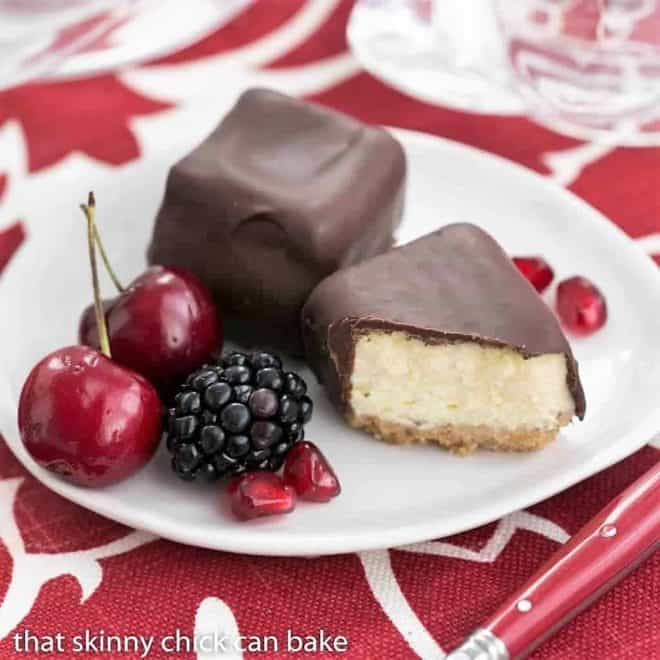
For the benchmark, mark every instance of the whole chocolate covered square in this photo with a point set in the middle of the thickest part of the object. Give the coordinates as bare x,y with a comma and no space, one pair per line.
280,195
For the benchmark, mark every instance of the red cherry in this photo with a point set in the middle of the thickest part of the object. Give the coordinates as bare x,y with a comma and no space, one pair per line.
88,419
581,306
164,325
307,470
536,271
260,493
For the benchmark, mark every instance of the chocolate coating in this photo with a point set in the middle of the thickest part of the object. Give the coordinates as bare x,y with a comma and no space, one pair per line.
279,196
455,284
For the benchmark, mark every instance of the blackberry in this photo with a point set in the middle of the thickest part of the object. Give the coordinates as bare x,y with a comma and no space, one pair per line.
242,413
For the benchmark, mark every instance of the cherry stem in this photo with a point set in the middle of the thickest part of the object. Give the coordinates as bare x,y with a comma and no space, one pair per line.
106,261
104,256
89,210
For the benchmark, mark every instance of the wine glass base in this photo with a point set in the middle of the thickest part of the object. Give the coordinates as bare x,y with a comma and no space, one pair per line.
404,52
625,136
638,130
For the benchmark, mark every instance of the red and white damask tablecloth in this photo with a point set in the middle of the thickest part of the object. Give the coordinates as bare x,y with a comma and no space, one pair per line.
65,570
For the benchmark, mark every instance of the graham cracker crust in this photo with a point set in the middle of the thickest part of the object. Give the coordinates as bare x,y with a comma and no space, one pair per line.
462,440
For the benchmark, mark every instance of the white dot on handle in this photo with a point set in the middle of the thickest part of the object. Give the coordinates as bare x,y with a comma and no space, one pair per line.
524,605
608,531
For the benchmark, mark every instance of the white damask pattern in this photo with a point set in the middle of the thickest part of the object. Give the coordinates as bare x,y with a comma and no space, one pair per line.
215,618
30,571
385,587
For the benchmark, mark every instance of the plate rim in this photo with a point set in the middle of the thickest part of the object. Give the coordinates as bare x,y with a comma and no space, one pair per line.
247,539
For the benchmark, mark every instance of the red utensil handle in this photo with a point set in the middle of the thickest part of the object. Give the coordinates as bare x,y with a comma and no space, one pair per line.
604,551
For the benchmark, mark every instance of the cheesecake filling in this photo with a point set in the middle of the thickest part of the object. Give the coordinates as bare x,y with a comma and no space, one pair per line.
400,379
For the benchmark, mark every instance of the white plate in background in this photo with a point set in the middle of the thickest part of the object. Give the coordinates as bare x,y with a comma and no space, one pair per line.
154,29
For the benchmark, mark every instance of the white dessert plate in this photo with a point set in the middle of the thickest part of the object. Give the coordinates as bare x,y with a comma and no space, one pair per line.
391,495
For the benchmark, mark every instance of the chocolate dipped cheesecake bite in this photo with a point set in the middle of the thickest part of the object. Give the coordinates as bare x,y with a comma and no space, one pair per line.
282,194
442,340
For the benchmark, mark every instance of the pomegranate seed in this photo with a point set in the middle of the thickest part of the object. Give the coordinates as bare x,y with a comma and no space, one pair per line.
308,471
581,306
535,270
260,493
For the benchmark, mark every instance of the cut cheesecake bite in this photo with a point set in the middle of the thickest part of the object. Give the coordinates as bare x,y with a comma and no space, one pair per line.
442,340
